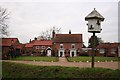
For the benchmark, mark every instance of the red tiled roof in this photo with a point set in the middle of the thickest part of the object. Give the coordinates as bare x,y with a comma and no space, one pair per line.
19,46
44,43
39,43
68,38
29,45
32,41
108,45
7,41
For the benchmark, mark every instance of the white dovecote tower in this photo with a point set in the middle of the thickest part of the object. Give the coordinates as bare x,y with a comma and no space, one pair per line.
94,21
94,26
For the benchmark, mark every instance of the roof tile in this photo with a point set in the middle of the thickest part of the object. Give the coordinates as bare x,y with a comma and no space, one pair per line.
7,41
44,43
68,38
108,45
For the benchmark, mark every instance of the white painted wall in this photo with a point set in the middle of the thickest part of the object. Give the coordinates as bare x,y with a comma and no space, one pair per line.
95,26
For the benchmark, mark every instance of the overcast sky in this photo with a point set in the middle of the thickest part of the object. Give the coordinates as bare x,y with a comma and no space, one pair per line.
28,19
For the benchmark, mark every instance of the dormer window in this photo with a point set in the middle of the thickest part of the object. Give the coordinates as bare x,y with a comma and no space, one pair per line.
61,46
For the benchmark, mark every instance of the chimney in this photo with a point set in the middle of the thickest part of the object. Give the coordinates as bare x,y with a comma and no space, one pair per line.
69,31
12,41
53,34
35,38
30,41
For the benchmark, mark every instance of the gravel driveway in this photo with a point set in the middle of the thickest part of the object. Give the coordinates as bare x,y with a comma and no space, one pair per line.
64,62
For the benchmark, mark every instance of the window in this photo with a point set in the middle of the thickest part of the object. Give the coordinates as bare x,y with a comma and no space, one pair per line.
113,51
102,51
42,51
37,47
61,46
73,46
42,47
91,27
33,52
98,23
86,50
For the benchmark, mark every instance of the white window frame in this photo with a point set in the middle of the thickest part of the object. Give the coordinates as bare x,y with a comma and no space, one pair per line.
42,47
72,46
113,50
61,46
101,51
37,47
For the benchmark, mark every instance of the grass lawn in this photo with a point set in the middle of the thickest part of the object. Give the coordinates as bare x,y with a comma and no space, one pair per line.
86,58
36,58
17,70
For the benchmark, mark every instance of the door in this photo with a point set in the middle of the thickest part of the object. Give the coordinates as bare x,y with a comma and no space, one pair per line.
48,52
61,53
72,54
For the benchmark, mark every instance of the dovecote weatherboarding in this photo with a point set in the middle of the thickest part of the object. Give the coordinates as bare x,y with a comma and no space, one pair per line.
94,21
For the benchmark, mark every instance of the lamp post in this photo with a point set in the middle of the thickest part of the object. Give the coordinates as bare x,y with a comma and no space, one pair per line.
94,26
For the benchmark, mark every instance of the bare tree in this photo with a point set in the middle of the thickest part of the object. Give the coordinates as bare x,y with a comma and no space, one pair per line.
4,16
47,35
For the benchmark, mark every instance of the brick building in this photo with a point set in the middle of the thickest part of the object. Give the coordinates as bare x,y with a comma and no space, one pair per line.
28,49
108,49
43,48
10,47
39,48
67,44
61,45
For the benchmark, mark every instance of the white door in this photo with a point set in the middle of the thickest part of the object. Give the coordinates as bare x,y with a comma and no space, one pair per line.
73,53
48,52
61,53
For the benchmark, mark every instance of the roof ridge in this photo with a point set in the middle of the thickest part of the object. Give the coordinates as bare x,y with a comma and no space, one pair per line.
9,38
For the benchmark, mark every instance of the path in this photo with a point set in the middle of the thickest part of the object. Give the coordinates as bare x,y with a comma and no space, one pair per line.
62,59
63,62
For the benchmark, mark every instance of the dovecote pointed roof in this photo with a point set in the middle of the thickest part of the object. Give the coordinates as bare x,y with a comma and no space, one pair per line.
94,14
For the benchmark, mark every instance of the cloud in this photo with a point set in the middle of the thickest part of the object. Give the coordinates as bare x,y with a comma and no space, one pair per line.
28,19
